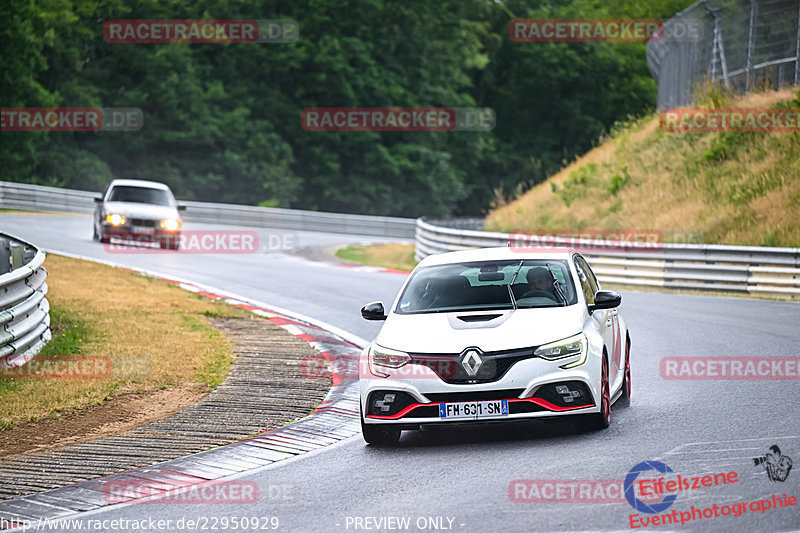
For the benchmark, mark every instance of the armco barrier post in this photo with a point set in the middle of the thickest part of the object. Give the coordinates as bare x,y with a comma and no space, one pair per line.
16,255
5,256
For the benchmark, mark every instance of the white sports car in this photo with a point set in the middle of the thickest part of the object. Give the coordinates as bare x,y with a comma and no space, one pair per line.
494,334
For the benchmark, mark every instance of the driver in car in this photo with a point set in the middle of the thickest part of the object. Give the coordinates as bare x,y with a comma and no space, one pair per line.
540,279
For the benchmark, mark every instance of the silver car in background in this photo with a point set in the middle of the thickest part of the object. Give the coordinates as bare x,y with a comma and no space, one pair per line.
138,211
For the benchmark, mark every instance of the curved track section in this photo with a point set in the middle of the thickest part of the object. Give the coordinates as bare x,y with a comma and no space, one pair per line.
480,479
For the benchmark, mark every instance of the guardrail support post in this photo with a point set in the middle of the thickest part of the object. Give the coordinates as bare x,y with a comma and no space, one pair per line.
5,257
16,256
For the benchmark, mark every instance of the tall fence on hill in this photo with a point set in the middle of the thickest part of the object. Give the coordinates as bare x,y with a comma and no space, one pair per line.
741,44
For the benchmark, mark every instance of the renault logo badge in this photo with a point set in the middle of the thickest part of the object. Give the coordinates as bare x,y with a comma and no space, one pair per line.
471,361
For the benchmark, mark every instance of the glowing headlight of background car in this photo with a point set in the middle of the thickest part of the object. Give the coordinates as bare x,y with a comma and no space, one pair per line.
170,224
115,219
380,357
572,350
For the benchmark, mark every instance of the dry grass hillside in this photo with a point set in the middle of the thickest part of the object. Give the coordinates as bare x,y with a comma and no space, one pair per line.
727,188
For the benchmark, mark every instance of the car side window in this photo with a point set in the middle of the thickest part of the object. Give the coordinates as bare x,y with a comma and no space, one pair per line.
586,286
592,278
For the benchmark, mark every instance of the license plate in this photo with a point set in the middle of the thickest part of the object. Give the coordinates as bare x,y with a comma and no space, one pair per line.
142,229
473,410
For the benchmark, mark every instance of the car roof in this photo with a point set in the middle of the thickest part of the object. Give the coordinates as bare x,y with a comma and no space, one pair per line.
496,254
140,183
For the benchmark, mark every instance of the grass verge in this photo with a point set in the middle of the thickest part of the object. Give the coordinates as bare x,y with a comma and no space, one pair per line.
395,256
154,335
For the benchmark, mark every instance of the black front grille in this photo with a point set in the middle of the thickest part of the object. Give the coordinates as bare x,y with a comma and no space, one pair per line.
515,408
424,411
477,396
494,365
144,222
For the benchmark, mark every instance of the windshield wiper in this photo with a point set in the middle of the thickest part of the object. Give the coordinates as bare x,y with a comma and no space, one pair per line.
557,286
510,283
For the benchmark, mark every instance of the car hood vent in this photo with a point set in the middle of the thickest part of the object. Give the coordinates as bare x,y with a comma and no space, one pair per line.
477,318
464,320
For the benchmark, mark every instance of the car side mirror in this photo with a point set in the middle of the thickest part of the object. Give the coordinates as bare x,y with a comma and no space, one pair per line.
181,208
373,311
98,200
605,300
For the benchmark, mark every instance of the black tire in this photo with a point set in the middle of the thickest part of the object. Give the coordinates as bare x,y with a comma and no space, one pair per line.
105,237
94,233
625,399
601,420
378,435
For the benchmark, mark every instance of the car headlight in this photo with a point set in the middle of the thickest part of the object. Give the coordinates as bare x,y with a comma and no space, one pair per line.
115,219
574,347
170,224
380,357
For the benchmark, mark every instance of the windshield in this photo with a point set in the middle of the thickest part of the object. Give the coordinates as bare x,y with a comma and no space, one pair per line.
483,285
139,195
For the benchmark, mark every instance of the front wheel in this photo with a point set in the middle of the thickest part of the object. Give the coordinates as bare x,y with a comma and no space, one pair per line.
601,420
378,435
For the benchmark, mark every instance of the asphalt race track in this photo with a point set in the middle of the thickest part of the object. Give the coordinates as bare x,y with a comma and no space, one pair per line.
465,478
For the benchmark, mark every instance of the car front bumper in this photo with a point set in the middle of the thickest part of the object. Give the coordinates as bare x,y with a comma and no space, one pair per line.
529,387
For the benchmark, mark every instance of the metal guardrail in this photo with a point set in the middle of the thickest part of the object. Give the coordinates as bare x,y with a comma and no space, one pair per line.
40,198
24,310
738,269
755,270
